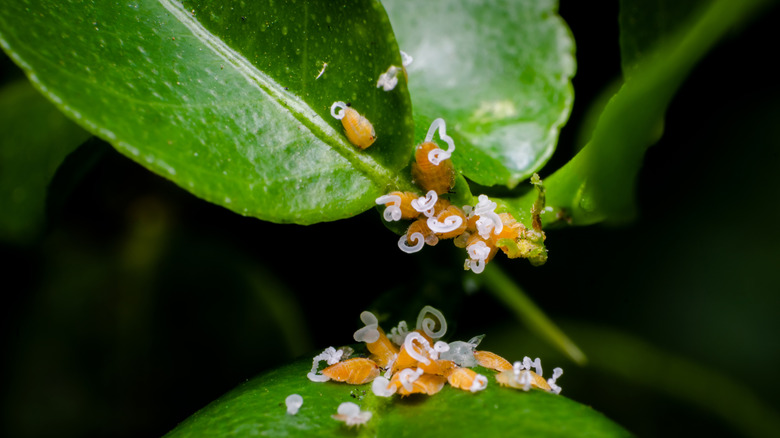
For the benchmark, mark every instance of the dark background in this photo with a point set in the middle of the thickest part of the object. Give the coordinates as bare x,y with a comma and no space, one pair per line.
140,303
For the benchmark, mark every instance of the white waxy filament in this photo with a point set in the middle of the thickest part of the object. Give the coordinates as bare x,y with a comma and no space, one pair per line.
441,347
480,382
451,223
398,333
340,114
525,380
557,372
369,333
436,156
408,376
484,205
478,251
427,324
489,219
424,204
476,266
393,211
352,415
536,363
415,237
412,351
389,79
406,59
381,387
331,356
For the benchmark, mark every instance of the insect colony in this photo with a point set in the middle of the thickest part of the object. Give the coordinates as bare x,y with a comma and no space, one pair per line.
479,228
418,362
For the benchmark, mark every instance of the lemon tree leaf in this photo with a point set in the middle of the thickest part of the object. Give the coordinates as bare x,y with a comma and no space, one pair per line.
257,407
227,99
499,72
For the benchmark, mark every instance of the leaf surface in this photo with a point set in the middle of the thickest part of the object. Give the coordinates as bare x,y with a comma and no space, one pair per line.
226,98
498,72
258,407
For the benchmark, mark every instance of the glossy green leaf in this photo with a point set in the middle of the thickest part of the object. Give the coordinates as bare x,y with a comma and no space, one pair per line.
226,98
34,139
598,183
257,407
498,72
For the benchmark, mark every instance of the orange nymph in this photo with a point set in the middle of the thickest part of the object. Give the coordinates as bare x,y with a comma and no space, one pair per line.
466,379
355,371
410,381
382,351
400,205
449,223
439,178
492,360
359,130
525,380
417,236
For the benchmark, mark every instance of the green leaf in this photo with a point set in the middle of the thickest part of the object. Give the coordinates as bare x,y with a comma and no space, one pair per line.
598,183
226,99
257,407
35,138
498,72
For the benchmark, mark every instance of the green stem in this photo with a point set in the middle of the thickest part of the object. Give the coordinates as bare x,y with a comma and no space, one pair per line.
508,292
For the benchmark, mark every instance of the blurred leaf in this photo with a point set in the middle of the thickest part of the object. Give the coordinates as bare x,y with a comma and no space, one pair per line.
123,318
224,98
279,302
35,137
647,24
498,73
599,182
71,173
257,407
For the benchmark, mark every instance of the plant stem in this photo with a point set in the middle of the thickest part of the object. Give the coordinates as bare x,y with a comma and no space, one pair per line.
507,291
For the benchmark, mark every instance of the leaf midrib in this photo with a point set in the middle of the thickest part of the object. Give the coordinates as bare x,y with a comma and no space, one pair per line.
297,108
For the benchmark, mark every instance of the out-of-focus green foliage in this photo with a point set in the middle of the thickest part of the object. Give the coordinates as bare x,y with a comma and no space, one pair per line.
35,137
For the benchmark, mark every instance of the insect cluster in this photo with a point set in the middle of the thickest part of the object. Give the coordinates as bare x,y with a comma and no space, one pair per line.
480,229
418,362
